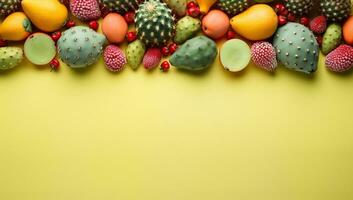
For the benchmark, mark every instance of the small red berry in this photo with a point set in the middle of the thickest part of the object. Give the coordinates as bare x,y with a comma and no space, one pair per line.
194,11
304,21
165,66
165,51
3,43
172,48
54,64
129,17
70,23
284,12
291,17
230,35
282,20
279,7
93,25
56,36
191,4
131,36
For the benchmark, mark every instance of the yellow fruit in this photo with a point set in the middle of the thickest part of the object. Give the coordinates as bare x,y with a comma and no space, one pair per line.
205,5
48,15
259,22
15,27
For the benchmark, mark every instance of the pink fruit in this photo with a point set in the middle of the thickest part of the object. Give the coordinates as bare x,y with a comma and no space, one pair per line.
114,27
152,58
263,55
85,10
114,58
318,25
340,59
215,24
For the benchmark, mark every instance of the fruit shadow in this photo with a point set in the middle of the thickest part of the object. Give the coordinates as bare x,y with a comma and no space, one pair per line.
199,73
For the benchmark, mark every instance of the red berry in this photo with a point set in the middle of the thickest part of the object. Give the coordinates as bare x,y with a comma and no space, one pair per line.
70,23
194,11
191,4
131,36
129,17
54,64
172,48
284,12
165,66
304,21
165,51
3,43
282,20
93,25
56,36
279,7
291,17
230,35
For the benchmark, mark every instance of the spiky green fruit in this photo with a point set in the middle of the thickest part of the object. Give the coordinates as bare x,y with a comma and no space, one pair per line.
296,48
195,54
336,10
134,53
233,7
10,57
299,7
178,6
154,23
120,6
186,28
9,6
332,38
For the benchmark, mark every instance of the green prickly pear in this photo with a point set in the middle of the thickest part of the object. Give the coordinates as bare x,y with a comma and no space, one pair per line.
186,27
178,6
10,57
195,54
332,38
134,53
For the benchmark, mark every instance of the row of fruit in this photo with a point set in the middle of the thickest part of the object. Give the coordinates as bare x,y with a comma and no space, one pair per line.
268,33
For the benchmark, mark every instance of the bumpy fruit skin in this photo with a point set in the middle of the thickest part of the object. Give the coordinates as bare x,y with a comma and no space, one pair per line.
80,46
195,54
10,57
134,53
9,6
233,7
263,55
114,58
85,10
336,10
186,28
340,59
332,38
299,7
15,27
154,23
120,6
152,58
318,25
296,48
178,6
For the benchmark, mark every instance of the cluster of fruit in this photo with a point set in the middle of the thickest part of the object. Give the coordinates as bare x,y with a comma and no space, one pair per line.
279,31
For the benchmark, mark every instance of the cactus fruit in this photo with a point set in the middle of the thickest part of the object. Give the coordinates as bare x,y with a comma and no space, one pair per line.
263,55
39,49
296,48
80,46
186,28
114,58
152,58
235,55
299,7
154,23
120,6
318,25
178,6
336,10
195,54
340,59
233,7
332,38
10,57
134,53
85,10
9,6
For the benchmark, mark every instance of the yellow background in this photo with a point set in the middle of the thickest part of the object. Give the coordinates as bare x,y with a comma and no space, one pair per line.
92,135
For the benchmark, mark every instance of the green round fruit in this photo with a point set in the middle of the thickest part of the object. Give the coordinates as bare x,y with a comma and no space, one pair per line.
235,55
39,49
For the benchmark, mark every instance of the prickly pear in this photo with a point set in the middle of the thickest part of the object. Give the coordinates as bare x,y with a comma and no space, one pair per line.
10,57
134,53
186,27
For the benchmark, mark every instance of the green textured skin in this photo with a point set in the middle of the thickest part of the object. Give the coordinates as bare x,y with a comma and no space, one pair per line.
336,10
10,57
80,46
297,48
332,38
134,53
186,28
9,6
195,54
154,23
120,6
233,7
299,7
178,6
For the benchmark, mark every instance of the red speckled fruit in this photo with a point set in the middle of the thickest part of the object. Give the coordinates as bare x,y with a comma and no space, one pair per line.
114,58
152,58
318,25
263,55
340,59
85,10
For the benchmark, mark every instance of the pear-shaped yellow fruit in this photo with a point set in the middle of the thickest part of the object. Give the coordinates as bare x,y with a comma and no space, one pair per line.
258,22
15,27
48,15
205,5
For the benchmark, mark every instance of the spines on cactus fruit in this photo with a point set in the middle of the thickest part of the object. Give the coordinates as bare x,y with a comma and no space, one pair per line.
299,7
336,10
134,53
85,10
340,59
10,57
178,6
233,7
120,6
332,38
186,28
9,6
154,23
114,58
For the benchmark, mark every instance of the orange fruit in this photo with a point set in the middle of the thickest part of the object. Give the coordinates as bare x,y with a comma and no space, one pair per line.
348,31
215,24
